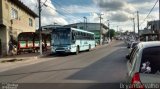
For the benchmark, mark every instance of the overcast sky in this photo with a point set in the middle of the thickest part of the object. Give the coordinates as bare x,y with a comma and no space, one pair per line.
118,12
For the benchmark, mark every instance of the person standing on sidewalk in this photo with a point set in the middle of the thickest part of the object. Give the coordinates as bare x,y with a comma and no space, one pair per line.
12,46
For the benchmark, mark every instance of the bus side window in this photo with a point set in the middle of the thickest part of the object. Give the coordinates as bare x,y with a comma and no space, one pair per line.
87,36
73,37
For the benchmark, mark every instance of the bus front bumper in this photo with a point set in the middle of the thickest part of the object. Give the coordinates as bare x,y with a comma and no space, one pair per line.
61,50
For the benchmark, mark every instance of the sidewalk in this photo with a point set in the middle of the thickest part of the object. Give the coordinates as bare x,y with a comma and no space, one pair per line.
24,56
12,62
106,44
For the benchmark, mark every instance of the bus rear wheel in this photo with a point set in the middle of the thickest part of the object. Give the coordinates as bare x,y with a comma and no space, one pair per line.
89,48
77,50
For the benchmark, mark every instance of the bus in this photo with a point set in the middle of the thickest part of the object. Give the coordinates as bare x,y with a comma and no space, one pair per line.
71,40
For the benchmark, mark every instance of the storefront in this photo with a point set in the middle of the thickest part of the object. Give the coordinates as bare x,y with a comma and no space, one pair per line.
149,37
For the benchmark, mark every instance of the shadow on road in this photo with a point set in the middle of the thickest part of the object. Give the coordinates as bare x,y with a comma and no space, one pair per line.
39,72
112,66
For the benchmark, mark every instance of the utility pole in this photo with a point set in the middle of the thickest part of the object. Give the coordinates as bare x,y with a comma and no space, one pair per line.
100,17
40,29
117,29
85,23
109,30
133,19
138,23
159,16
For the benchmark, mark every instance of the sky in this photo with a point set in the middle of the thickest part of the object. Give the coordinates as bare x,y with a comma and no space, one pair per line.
116,12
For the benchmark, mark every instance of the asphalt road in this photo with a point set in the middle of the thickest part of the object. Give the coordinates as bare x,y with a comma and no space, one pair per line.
104,65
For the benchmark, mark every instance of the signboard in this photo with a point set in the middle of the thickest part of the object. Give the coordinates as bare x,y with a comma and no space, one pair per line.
22,44
30,43
36,43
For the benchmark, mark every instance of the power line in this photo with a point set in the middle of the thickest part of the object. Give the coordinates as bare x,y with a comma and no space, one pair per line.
149,12
68,12
58,11
44,3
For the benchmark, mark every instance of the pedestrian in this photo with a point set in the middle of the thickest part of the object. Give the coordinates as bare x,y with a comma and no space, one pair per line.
43,46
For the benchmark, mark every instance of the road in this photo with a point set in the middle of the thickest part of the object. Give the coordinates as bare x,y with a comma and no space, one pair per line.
106,64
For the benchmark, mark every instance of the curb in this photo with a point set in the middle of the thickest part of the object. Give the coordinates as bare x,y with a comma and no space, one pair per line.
4,60
15,59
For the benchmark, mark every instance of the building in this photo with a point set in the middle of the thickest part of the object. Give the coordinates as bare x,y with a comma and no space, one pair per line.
153,26
151,32
48,28
15,17
92,27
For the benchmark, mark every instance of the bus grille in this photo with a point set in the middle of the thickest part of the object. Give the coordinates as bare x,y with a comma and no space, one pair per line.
60,49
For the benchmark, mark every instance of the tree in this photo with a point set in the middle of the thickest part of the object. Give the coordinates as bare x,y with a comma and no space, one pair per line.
112,33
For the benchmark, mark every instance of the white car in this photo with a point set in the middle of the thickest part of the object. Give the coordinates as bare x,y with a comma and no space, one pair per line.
144,66
133,44
129,43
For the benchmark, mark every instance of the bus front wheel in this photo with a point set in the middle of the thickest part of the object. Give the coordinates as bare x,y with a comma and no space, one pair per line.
77,50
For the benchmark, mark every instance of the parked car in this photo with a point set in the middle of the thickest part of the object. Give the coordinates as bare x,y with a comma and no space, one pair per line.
130,42
133,44
144,65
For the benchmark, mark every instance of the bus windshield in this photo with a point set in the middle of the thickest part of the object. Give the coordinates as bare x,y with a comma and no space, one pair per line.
61,37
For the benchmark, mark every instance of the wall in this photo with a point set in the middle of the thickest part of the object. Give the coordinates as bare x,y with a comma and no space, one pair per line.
0,12
20,24
14,26
92,26
3,38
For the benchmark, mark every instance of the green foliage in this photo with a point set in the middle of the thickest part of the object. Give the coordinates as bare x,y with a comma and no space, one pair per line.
112,33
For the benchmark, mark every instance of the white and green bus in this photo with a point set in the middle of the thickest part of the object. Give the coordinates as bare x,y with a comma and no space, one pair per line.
71,40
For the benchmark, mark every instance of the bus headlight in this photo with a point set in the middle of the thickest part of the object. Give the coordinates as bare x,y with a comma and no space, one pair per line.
53,48
69,48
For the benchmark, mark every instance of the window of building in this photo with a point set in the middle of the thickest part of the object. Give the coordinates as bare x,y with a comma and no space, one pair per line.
14,14
30,22
80,27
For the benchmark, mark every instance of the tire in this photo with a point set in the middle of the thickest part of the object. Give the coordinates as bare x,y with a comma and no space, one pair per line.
89,48
77,50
